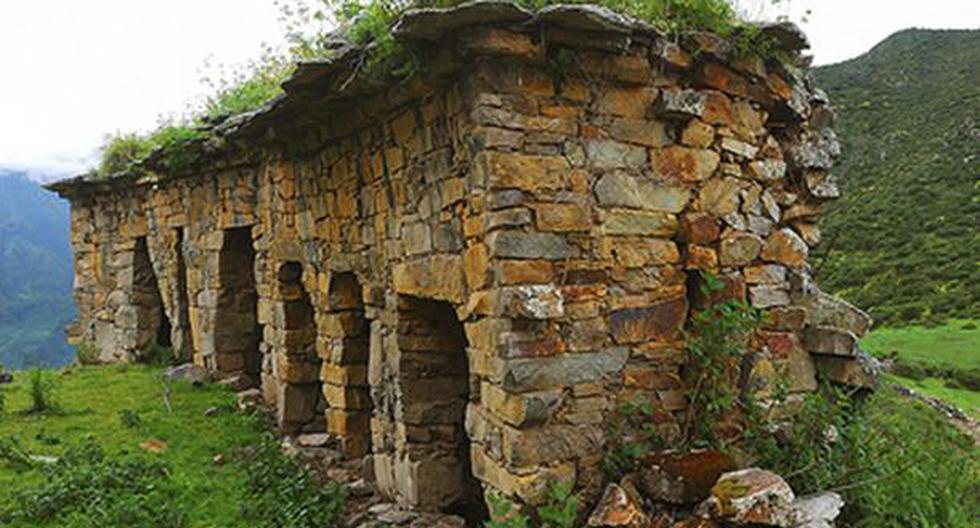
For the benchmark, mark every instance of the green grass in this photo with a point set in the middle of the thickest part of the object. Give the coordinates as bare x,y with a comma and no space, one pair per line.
948,344
91,399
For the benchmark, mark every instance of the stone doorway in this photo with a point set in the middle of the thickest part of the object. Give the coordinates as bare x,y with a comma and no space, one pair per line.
182,343
345,375
237,333
153,327
301,401
434,383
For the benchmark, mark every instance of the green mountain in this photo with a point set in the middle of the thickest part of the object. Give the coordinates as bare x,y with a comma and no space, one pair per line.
35,274
904,241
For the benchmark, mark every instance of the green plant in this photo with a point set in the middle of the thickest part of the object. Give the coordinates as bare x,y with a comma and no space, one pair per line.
717,342
40,389
87,353
282,493
86,488
561,510
632,434
129,418
503,513
156,354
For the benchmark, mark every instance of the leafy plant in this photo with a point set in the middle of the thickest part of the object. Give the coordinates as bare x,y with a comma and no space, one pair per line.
85,488
40,388
503,513
87,353
129,418
281,493
718,340
156,354
561,510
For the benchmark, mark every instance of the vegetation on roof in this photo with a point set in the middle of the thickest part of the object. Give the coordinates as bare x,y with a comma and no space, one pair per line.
367,23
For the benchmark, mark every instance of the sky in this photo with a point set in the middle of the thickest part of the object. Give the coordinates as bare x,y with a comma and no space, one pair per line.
74,71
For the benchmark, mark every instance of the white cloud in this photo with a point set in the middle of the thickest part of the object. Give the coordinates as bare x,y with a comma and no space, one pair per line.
75,70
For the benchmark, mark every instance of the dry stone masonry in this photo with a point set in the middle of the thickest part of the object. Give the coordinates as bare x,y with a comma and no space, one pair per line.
461,273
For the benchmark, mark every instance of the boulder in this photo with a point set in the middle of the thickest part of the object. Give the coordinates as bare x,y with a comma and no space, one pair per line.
620,506
188,372
750,496
682,478
817,511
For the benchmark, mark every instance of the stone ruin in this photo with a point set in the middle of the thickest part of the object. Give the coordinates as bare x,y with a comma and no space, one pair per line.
460,274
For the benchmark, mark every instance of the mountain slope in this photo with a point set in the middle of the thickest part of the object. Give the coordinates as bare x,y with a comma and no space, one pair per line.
904,240
35,274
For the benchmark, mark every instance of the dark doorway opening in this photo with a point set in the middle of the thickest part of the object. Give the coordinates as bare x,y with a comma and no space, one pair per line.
153,325
435,388
237,333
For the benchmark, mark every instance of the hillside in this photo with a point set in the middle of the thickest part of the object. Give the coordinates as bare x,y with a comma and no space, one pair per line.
35,274
903,241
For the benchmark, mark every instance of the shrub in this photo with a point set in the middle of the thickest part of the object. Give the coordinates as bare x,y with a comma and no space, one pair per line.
155,354
503,513
40,387
281,493
85,488
87,353
912,370
129,418
561,510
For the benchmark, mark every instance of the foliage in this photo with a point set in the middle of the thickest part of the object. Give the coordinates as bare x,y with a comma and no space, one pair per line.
896,462
157,354
35,274
282,494
92,398
87,488
121,151
632,433
503,513
718,341
129,418
87,353
41,387
901,240
559,511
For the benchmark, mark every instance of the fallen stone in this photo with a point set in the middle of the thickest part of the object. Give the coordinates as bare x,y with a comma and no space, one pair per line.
751,497
313,440
817,511
212,411
187,372
249,400
619,506
238,382
682,478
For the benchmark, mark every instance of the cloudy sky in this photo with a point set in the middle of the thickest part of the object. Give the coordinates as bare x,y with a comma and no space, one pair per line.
74,70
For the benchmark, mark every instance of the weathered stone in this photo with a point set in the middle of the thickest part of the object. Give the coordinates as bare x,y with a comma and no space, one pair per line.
525,375
786,247
608,154
188,373
739,249
640,131
817,511
521,410
658,322
768,170
817,151
821,185
562,217
830,341
618,189
861,371
544,301
619,507
520,245
648,223
684,164
435,277
751,496
681,103
720,196
698,134
700,228
739,148
765,274
828,310
682,477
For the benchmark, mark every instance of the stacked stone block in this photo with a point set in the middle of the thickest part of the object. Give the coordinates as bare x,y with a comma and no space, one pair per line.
476,267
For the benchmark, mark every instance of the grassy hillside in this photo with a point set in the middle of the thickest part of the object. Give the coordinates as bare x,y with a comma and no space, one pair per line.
903,241
105,414
35,274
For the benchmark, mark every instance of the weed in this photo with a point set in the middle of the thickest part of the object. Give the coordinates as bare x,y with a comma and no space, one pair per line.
87,353
88,489
129,418
40,388
561,510
503,513
282,493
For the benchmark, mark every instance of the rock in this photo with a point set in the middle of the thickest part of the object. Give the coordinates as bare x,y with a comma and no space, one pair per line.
249,400
822,185
769,295
618,189
218,460
681,103
749,497
238,382
787,34
212,411
739,148
816,151
720,196
619,507
831,311
786,247
641,223
650,323
609,154
684,164
862,371
433,23
313,440
526,375
520,245
817,511
830,341
682,478
188,372
739,249
539,301
768,170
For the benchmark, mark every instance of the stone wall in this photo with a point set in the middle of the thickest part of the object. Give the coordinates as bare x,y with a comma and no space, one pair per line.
461,275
